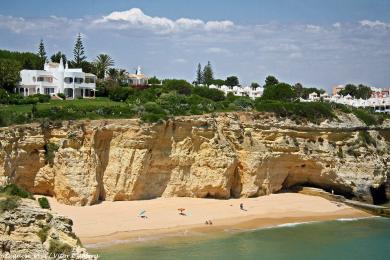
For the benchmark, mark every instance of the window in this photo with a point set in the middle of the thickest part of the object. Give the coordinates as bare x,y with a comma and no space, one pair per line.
34,79
49,91
78,80
89,80
45,79
68,80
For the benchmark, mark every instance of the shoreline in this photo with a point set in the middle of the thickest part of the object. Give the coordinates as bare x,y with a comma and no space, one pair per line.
110,223
203,232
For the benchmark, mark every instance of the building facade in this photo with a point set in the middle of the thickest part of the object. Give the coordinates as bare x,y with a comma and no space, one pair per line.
240,91
55,79
137,79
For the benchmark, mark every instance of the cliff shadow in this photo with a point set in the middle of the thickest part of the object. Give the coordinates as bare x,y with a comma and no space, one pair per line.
101,146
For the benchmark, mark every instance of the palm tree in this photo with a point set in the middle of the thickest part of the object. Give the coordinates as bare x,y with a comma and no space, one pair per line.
112,73
102,63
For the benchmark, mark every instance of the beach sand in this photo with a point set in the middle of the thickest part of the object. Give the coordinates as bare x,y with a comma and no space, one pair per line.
120,220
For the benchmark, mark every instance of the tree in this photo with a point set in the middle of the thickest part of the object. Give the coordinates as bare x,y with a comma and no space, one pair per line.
349,89
255,85
42,54
9,73
179,85
307,91
270,81
28,60
363,92
208,74
280,91
298,89
113,73
232,81
218,82
78,52
102,63
154,81
199,75
57,58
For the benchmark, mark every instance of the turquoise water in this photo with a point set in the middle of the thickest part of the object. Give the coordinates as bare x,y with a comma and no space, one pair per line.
357,239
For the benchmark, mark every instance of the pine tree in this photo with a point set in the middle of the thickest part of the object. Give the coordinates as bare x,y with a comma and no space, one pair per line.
57,57
42,53
78,52
208,75
199,75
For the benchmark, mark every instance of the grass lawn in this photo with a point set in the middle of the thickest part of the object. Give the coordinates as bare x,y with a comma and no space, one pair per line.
77,103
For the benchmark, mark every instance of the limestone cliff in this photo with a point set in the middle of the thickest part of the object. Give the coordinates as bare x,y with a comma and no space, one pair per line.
219,155
29,232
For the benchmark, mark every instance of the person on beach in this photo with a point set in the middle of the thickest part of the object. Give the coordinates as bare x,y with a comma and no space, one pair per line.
241,206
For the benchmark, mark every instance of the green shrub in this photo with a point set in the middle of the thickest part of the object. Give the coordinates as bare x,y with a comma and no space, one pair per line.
61,95
365,116
314,111
14,190
57,248
210,93
182,87
43,233
153,113
340,152
8,203
120,93
366,138
44,203
50,149
280,91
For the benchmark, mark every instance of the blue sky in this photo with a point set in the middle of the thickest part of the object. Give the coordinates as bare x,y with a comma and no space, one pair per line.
319,43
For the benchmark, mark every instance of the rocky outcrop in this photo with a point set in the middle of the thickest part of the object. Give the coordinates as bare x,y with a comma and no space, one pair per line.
29,232
222,156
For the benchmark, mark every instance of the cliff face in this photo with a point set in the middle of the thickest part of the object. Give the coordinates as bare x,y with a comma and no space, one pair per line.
221,156
29,232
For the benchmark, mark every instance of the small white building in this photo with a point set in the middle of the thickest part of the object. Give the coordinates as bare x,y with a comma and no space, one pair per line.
240,91
55,79
137,79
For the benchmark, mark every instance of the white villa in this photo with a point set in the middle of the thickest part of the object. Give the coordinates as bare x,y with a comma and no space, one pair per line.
55,79
137,79
379,104
240,91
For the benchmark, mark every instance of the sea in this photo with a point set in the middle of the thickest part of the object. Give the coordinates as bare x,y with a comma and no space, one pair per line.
366,238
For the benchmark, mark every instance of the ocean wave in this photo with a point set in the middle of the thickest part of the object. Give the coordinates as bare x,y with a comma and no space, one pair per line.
355,219
294,224
121,241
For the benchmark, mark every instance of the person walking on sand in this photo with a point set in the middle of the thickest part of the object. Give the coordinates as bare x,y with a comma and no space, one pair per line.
241,206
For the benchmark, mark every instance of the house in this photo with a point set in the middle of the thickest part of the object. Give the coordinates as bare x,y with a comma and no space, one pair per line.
240,91
137,79
55,79
337,89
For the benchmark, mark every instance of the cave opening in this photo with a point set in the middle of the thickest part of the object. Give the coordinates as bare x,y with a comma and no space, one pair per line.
326,187
379,195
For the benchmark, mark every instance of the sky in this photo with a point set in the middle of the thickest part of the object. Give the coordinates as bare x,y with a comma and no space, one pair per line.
317,43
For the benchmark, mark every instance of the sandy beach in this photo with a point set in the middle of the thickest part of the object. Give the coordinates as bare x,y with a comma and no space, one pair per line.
121,220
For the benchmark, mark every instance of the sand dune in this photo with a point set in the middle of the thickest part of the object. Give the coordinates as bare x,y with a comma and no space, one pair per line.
117,220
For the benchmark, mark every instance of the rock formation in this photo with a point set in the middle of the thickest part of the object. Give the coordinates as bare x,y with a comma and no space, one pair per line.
218,155
29,232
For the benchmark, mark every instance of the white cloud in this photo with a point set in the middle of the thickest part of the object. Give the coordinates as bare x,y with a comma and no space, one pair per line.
374,24
337,25
295,55
217,50
219,25
180,60
136,18
313,28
